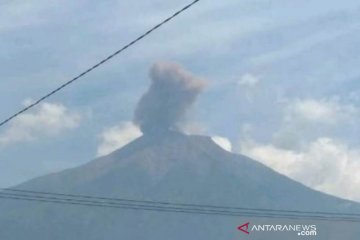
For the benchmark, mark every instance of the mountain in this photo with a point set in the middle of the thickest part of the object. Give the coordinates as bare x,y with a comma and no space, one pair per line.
172,167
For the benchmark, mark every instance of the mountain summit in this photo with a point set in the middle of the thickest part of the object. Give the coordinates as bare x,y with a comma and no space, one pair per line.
167,166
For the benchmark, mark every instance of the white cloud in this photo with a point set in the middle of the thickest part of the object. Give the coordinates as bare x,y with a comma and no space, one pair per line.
48,120
27,102
117,137
305,120
305,146
328,111
325,164
222,142
248,86
248,80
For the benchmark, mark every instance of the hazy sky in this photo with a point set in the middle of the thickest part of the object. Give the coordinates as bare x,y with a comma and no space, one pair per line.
284,81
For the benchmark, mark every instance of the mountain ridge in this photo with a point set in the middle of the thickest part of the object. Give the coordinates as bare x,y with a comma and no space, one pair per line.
177,142
168,167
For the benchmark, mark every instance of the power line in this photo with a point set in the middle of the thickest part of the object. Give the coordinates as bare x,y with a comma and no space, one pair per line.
154,206
99,63
167,209
178,210
175,204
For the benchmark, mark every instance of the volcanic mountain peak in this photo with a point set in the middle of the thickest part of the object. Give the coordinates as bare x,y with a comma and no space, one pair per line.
163,165
170,167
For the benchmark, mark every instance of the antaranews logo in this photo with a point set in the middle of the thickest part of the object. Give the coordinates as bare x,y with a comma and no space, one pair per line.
244,228
299,229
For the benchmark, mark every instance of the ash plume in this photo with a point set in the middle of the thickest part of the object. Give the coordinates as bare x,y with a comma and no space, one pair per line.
172,92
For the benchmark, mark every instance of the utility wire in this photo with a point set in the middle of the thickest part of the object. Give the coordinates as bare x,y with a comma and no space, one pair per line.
122,200
151,207
99,63
175,210
180,210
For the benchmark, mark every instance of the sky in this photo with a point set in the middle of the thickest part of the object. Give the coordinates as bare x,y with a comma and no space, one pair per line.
283,82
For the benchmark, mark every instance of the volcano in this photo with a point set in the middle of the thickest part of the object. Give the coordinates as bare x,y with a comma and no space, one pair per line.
173,167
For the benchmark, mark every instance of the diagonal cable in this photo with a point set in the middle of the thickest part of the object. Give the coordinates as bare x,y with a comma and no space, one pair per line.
98,64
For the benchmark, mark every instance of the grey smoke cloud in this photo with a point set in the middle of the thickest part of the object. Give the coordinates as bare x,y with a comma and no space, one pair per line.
172,92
